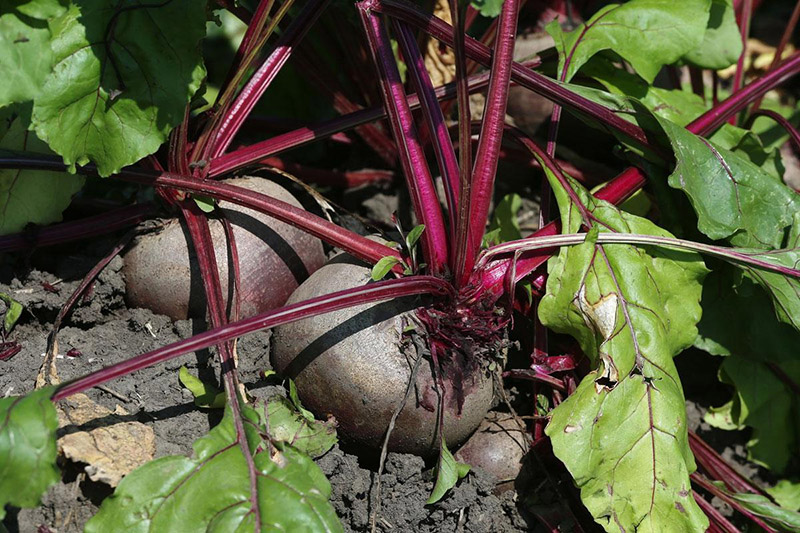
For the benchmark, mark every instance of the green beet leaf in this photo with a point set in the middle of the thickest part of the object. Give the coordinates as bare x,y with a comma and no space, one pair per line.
787,494
733,182
383,267
413,236
205,394
647,33
758,352
623,434
27,448
488,8
505,220
734,199
25,55
779,517
13,312
30,196
448,473
37,9
211,491
783,290
722,41
287,424
121,81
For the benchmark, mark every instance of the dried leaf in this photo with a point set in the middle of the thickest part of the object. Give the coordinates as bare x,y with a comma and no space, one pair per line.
108,442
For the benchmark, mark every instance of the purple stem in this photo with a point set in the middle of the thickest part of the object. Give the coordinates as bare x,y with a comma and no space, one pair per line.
491,136
782,122
460,218
251,154
744,26
717,520
354,244
719,469
371,292
77,230
525,77
260,29
206,257
569,239
249,40
723,495
265,74
432,113
632,179
412,155
327,82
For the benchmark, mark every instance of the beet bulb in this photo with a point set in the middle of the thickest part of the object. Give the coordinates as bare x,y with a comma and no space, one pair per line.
355,364
161,273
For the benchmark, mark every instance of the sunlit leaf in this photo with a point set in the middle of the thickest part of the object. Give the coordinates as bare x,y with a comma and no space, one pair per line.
25,56
787,494
27,448
622,434
722,41
289,425
448,473
414,235
205,395
13,311
295,398
121,81
212,490
779,517
383,267
647,33
205,203
488,8
734,199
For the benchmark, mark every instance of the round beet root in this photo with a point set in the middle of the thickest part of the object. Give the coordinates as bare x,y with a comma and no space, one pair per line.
161,273
355,364
497,447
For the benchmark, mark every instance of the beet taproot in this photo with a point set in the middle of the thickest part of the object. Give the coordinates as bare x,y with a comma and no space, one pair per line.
498,447
162,274
355,364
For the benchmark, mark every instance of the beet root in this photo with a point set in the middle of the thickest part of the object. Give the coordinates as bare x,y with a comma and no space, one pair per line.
498,447
162,274
355,364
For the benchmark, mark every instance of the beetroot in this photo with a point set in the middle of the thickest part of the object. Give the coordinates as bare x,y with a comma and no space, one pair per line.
497,447
274,258
355,364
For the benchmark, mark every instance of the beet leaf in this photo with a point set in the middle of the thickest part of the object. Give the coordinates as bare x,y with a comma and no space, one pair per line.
733,326
27,448
25,55
211,490
622,434
722,43
647,33
123,76
22,192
